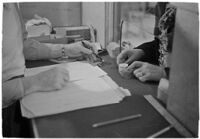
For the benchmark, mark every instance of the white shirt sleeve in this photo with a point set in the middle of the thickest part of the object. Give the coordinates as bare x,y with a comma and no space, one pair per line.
12,90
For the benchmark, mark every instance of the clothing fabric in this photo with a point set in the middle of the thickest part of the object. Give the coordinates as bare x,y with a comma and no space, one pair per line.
34,50
13,124
166,26
13,90
157,51
13,63
13,58
13,66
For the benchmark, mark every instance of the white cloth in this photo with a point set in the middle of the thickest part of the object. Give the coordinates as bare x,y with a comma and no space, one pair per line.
12,51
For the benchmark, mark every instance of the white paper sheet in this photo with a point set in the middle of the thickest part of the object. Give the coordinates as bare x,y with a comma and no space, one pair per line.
89,86
77,70
76,95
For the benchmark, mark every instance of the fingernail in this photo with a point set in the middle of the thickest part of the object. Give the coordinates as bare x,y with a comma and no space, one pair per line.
129,69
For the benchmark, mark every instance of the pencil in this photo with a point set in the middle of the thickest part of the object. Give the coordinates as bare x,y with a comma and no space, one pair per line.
84,45
116,120
120,39
161,132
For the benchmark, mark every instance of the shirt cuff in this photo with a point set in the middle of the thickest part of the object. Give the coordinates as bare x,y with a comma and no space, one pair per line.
12,91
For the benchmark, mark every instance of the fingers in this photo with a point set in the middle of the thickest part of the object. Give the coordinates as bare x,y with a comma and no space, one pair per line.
59,85
121,58
60,73
141,75
53,79
138,73
61,78
130,60
143,78
86,50
78,49
66,75
88,44
87,47
147,72
129,55
135,64
63,73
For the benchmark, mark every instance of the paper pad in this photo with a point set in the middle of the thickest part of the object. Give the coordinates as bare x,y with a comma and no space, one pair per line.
77,70
77,94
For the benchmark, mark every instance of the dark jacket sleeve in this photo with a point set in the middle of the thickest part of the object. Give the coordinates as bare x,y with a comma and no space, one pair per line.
151,51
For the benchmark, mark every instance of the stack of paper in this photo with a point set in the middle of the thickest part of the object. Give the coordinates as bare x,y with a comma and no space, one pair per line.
77,70
88,87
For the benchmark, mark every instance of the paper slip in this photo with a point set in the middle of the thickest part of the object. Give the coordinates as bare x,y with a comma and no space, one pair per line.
77,70
76,95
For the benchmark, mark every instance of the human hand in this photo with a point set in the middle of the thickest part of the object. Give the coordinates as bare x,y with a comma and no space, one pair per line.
129,55
50,80
147,72
78,49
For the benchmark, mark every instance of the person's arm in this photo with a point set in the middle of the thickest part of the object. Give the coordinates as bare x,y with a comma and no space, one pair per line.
12,91
146,52
151,49
151,53
34,50
50,80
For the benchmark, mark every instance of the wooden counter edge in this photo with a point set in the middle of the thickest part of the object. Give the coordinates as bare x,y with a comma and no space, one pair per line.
175,123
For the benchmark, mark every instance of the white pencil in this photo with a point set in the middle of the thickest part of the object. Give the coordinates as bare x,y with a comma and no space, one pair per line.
117,120
161,132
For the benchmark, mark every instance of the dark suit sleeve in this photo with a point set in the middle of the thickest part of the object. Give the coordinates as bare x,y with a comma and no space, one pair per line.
151,51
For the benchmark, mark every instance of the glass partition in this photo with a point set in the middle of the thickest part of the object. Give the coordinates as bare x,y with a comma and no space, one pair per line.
138,22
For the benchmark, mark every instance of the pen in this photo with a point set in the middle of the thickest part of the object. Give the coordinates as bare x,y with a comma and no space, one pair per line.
116,120
92,51
161,132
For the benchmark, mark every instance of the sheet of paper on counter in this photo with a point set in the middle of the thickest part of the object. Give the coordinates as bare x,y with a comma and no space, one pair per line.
96,90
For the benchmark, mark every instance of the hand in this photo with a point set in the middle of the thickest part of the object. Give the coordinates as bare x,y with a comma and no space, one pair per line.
77,49
147,72
50,80
129,55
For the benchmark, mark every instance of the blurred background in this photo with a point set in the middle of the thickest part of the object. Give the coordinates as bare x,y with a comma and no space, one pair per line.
138,18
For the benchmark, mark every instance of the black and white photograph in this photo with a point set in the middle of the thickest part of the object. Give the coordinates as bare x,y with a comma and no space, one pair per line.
100,69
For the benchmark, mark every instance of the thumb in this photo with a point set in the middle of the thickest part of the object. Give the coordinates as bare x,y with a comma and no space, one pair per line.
143,78
135,64
85,50
130,60
88,44
121,58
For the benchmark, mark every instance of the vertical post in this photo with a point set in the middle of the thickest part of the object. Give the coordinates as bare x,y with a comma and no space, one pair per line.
109,17
116,20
